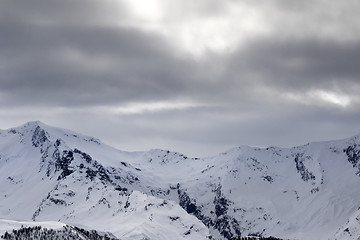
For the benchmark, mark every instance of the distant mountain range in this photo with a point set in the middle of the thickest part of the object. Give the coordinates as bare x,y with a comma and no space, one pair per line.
57,178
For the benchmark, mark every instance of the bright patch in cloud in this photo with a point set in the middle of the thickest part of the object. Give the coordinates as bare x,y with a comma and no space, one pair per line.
139,108
332,98
321,97
149,10
194,31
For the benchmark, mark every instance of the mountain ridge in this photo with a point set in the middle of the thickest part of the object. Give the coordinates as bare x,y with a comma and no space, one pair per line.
36,123
293,193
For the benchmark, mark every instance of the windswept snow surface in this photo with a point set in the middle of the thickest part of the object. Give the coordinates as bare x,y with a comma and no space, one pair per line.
305,192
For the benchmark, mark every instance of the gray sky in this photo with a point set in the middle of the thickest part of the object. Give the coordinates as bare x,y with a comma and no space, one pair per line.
197,77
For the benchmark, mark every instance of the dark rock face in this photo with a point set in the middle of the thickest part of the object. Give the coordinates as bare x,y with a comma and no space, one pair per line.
190,207
63,164
186,203
85,156
353,154
220,202
39,137
58,201
306,175
268,178
93,167
90,174
227,226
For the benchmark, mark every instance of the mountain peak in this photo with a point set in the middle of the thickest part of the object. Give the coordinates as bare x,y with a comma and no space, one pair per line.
37,133
29,126
34,123
34,131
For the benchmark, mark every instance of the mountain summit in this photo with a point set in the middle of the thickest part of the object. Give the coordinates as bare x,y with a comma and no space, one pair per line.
305,192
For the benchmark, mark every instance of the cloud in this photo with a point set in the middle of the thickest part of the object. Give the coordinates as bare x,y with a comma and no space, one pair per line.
296,66
88,66
188,73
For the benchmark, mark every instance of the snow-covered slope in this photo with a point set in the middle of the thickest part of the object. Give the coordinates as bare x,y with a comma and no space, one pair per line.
306,192
8,225
25,230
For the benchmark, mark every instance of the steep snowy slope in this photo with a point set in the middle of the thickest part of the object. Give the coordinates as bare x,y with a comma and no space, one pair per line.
306,192
44,177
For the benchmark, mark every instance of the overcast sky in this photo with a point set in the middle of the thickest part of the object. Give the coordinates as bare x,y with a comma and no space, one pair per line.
197,77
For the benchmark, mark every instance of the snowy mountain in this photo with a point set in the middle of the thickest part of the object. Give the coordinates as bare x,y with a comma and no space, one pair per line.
307,192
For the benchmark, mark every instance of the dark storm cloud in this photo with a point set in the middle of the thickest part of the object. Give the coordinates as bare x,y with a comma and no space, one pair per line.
78,54
67,53
297,64
66,12
88,65
63,60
